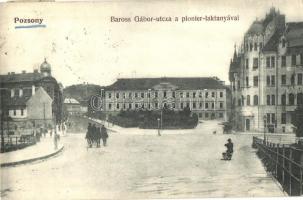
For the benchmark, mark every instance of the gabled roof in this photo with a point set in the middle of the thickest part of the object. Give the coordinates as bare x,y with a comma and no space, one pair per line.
181,83
273,42
256,28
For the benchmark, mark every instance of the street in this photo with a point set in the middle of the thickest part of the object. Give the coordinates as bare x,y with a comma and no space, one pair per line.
179,164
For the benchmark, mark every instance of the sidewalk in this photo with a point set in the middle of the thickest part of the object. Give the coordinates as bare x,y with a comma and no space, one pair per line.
41,150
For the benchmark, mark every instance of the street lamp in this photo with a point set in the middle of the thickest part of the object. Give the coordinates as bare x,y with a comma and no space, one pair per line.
158,127
264,119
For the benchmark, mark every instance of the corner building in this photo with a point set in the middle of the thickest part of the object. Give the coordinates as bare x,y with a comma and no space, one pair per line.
266,75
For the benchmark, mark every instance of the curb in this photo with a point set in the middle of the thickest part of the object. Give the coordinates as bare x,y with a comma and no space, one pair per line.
32,159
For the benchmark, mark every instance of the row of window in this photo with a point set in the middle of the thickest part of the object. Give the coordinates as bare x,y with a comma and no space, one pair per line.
164,94
271,118
271,99
21,112
271,80
182,105
271,61
253,46
211,115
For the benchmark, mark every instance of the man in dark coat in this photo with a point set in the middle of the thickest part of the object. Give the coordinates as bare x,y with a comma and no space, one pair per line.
104,135
230,148
88,135
98,136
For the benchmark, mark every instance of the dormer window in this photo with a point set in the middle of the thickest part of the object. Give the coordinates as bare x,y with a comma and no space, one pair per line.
283,42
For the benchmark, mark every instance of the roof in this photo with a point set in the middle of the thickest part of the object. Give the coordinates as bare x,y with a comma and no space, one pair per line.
294,34
71,101
181,83
255,28
273,42
22,77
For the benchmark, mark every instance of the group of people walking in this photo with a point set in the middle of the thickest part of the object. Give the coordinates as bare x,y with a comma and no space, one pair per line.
94,135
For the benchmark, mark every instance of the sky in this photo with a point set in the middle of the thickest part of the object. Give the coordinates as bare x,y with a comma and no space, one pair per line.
82,44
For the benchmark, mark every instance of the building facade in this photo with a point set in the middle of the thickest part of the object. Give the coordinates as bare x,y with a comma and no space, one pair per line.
30,99
266,75
204,96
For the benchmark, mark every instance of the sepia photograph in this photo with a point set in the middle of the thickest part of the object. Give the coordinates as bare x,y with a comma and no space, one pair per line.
131,99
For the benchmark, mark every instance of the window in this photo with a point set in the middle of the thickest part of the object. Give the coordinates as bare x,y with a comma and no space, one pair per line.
156,105
247,82
130,106
293,60
206,105
200,94
268,62
292,79
164,94
200,105
267,118
256,81
130,95
273,100
148,95
149,106
283,79
283,61
124,95
283,99
221,94
15,112
22,112
255,63
299,79
246,63
255,46
283,42
300,99
109,106
273,118
181,105
301,58
142,94
268,80
291,98
221,105
117,95
206,95
273,61
239,85
118,106
256,100
250,46
174,94
212,105
194,95
187,94
273,80
206,115
194,105
124,106
268,100
181,94
109,95
187,105
156,94
248,100
136,105
212,94
136,95
261,45
283,118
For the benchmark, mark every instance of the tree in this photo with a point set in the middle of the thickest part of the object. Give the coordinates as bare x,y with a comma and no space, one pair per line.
297,120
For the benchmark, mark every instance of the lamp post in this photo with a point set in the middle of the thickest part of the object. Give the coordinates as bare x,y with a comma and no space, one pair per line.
264,119
158,127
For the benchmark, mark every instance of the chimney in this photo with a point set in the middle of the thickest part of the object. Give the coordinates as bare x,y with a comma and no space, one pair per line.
35,70
23,71
33,89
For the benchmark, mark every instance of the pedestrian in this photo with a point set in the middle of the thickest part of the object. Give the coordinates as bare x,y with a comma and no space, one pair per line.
230,149
94,134
88,135
98,136
104,135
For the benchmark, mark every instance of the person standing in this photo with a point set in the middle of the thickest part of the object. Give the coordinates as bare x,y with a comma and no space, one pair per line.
98,136
104,135
88,135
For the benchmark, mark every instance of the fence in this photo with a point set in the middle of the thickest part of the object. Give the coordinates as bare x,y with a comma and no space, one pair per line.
284,162
12,143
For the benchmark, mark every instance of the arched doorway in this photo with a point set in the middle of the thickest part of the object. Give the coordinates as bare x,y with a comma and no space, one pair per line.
247,124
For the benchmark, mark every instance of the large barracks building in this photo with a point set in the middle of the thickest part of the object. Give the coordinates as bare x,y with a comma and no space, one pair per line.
204,96
266,75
